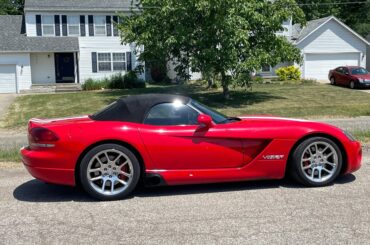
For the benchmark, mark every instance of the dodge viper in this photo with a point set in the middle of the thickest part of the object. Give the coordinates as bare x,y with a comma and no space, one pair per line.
160,139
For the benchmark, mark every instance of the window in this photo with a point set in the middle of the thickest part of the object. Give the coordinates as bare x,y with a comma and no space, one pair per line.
104,62
73,25
100,25
171,114
345,71
48,25
359,71
339,69
266,68
119,61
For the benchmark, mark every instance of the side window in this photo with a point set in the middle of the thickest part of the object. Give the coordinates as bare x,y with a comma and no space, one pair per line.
340,69
171,114
345,71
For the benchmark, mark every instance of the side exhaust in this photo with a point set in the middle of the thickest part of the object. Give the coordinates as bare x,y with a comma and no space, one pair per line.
154,180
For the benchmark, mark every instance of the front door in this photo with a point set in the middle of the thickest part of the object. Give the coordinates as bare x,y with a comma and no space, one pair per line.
174,141
65,67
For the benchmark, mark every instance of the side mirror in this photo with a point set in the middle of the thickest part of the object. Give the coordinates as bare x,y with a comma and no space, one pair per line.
205,120
346,73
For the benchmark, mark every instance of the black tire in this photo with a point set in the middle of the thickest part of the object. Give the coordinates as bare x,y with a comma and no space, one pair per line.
105,197
332,81
352,85
296,170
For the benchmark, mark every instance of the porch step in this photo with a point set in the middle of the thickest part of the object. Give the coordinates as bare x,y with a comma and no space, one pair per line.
68,88
53,88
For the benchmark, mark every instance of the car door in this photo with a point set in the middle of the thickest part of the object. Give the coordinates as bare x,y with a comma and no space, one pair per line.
175,141
339,75
346,76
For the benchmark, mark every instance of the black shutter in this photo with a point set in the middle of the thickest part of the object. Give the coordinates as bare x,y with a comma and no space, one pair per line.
64,25
91,25
115,26
57,25
109,25
38,25
94,61
129,61
82,26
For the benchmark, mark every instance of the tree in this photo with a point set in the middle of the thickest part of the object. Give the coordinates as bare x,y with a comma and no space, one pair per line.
355,14
227,37
11,7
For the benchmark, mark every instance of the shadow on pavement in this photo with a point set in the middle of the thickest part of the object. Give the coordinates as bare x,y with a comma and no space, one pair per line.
36,191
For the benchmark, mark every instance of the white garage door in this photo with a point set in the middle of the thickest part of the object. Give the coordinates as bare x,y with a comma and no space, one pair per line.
317,66
7,79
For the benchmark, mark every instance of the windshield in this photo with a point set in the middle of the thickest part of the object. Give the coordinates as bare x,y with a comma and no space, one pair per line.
359,71
217,117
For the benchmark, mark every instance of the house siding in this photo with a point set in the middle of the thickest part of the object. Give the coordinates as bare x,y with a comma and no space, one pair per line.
23,68
368,55
43,68
333,38
89,45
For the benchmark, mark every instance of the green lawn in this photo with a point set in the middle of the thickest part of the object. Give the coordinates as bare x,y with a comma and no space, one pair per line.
306,101
10,155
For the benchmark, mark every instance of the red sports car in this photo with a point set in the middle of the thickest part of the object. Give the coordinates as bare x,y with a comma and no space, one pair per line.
351,76
174,140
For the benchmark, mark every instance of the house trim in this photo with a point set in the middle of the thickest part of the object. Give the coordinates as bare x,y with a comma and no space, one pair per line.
339,22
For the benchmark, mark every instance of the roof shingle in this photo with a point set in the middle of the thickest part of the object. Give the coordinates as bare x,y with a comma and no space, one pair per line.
14,39
77,5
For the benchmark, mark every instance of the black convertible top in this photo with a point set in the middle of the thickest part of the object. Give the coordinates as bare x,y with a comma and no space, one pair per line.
135,107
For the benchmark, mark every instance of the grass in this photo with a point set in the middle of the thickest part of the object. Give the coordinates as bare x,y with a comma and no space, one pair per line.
290,100
10,155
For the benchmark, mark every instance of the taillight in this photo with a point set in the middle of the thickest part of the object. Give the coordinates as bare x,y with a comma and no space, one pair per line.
42,137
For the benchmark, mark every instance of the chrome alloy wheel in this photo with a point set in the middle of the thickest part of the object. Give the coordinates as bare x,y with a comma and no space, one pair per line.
319,161
110,172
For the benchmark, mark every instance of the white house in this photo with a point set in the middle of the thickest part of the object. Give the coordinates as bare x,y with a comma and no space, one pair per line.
325,44
62,41
68,41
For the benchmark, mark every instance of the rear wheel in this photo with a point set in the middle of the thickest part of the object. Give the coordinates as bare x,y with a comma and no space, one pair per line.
352,85
109,172
316,162
332,81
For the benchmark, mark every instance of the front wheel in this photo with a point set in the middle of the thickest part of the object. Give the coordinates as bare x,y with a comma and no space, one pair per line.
109,172
316,162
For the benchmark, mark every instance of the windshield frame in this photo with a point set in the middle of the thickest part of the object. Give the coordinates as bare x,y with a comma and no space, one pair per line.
216,116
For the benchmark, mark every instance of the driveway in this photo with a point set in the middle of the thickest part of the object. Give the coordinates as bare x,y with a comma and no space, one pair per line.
5,102
265,212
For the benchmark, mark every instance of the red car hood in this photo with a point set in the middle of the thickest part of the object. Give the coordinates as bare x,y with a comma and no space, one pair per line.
270,118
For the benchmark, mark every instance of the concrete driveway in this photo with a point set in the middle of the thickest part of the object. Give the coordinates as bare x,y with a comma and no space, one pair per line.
5,101
265,212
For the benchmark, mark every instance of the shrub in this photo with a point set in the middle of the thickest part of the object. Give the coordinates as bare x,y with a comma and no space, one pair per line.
289,73
91,84
116,81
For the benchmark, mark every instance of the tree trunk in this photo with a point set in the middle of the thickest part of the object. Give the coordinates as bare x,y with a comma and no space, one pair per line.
225,86
210,83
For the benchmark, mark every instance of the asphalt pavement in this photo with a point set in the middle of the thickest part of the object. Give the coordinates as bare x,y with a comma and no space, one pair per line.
259,212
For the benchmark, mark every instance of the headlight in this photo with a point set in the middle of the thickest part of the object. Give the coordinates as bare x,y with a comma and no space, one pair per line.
349,136
361,80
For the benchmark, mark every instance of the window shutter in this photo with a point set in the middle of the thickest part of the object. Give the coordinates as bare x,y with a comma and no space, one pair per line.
129,61
91,25
82,26
115,26
57,25
38,25
64,25
94,62
109,25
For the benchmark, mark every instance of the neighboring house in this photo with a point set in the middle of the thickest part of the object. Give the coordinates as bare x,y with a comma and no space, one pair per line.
62,41
325,44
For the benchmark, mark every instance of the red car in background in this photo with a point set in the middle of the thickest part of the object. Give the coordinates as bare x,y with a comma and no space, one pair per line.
174,140
351,76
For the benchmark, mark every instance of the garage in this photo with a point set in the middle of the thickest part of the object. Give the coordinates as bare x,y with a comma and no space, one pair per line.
8,80
317,66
